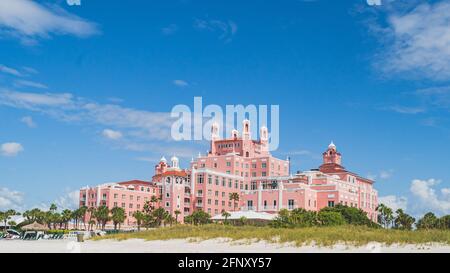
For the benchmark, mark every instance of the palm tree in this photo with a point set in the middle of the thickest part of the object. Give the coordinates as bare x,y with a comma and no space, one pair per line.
102,216
118,216
6,216
177,212
53,207
140,217
403,220
91,221
82,214
235,198
225,214
66,216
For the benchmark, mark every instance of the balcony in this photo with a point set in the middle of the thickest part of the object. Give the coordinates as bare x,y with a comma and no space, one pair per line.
292,207
199,205
248,208
199,195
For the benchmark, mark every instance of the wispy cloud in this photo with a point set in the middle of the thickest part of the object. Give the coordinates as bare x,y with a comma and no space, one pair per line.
28,20
381,175
25,83
438,96
225,29
406,109
69,108
29,121
9,70
416,41
180,83
112,134
170,29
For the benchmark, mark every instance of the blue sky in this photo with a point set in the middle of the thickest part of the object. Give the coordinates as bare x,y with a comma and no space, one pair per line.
85,89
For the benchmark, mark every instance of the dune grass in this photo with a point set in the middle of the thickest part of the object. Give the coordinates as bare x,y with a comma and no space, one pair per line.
323,236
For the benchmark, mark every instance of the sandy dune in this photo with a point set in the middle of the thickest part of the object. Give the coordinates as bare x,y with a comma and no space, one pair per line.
209,246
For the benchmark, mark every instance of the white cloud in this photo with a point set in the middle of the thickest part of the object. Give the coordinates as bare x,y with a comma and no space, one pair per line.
25,83
437,96
28,20
32,100
394,202
418,41
382,175
180,83
11,149
170,29
225,29
9,70
70,200
139,124
428,199
73,2
29,121
111,134
407,109
10,199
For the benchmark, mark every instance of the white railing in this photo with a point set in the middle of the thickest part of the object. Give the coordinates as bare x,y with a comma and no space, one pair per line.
248,208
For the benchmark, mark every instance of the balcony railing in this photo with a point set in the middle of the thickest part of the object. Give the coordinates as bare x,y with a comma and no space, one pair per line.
248,208
199,195
292,207
199,205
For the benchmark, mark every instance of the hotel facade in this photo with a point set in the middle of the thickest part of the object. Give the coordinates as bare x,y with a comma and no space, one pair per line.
243,166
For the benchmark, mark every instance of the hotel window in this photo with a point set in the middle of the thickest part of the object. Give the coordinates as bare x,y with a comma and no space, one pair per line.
142,188
216,193
254,165
209,179
209,201
123,205
138,198
138,206
200,179
217,181
230,183
209,210
291,204
116,195
115,204
124,196
265,204
224,183
209,192
216,211
167,204
223,194
216,202
264,174
253,186
250,204
229,204
274,203
223,203
228,164
253,174
131,197
167,195
228,172
130,206
263,165
104,196
215,165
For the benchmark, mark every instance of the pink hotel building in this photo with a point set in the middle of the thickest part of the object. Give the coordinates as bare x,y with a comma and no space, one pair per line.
239,165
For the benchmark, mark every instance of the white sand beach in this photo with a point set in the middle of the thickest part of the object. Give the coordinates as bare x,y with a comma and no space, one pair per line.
209,246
